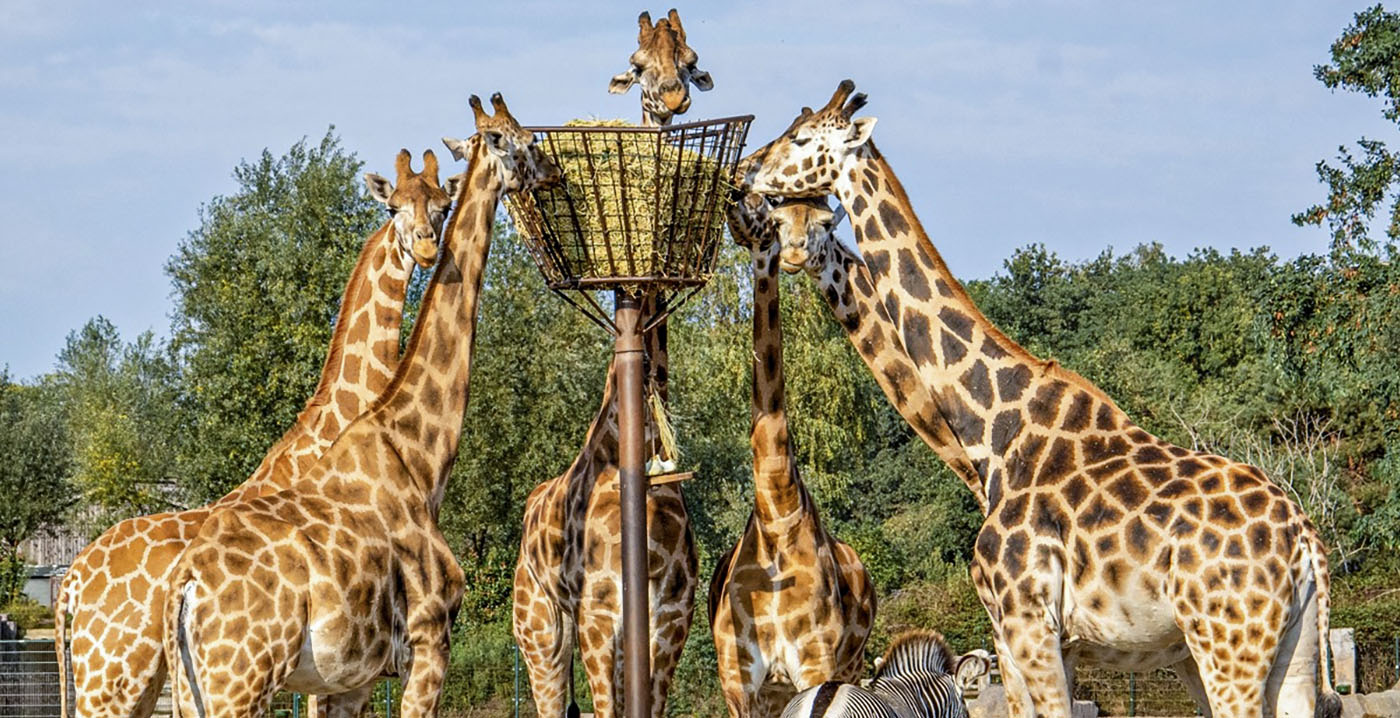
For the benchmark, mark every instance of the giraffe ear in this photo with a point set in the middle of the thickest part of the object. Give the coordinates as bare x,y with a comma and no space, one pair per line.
461,149
379,187
702,81
861,128
973,671
620,84
453,184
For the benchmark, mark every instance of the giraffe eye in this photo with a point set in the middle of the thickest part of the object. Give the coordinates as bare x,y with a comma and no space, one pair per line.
393,211
800,141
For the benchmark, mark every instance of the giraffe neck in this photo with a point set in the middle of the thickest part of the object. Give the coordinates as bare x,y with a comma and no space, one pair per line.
985,384
845,284
368,348
363,355
777,489
600,444
424,403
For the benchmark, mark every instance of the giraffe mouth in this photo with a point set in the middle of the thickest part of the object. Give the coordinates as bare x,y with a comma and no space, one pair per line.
425,252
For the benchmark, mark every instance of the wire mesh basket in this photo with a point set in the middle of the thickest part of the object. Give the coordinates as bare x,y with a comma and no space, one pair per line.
639,207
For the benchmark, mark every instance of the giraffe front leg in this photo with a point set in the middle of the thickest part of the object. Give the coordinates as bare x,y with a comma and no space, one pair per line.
1036,654
430,607
1190,677
343,705
741,671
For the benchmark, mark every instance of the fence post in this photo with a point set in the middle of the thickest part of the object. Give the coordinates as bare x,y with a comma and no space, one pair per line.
1132,694
1397,661
515,650
296,705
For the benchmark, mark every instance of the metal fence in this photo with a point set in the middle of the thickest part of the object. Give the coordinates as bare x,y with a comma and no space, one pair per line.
29,687
29,679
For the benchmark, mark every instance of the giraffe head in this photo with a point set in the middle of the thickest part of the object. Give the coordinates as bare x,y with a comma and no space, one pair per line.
665,65
417,204
800,226
806,159
507,147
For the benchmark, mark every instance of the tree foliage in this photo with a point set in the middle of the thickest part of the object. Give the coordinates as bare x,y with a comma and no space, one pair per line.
121,400
34,466
257,286
1365,59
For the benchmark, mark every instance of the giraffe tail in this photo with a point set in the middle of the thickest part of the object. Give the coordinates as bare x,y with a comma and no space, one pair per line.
184,683
60,642
1329,704
572,711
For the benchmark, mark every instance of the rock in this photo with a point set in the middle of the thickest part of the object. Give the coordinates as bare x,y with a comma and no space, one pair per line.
1343,657
989,703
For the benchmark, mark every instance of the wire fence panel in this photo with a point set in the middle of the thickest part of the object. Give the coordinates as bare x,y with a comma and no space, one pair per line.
1377,665
29,679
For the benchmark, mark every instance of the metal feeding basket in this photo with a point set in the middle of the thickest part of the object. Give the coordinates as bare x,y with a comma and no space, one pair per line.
641,209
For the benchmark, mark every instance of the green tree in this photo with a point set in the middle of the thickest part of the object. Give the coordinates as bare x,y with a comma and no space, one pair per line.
1365,59
34,465
121,401
257,286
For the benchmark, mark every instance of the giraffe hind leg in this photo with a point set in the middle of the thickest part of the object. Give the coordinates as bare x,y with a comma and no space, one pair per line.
544,634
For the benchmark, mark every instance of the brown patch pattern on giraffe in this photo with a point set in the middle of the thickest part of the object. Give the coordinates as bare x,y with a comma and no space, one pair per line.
1102,542
568,577
327,585
790,606
115,584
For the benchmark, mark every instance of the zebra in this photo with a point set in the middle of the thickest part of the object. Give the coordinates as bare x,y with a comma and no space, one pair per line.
918,677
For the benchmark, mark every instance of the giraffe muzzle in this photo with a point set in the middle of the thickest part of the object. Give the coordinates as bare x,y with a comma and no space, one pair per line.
425,252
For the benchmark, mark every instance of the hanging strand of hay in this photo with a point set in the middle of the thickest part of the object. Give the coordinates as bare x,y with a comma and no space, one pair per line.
664,429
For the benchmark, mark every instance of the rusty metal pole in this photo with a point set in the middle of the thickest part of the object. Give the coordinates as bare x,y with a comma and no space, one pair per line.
636,638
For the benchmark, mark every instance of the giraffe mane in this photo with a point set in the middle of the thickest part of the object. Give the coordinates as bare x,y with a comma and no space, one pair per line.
1046,367
322,395
921,651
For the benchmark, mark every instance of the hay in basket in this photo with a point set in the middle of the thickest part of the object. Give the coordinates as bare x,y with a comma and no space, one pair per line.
635,204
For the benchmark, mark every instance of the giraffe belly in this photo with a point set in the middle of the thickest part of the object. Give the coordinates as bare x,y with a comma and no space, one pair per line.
1131,629
334,661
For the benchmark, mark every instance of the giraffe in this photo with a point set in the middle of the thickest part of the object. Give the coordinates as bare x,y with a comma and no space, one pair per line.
805,226
568,584
790,607
117,582
568,580
327,585
665,65
1102,543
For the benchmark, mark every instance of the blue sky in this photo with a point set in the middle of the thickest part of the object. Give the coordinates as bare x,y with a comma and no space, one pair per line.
1080,125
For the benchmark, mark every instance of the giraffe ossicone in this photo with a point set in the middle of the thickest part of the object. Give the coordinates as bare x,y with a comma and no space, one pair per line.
1101,542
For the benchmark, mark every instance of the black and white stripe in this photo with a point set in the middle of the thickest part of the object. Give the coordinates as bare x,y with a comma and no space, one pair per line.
917,678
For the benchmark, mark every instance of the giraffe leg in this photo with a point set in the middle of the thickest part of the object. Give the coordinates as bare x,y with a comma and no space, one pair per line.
1034,652
672,601
431,606
598,645
1233,672
544,634
741,673
1018,701
1190,676
345,705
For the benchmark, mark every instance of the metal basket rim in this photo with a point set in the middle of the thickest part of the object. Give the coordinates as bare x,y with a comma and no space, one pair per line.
640,129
